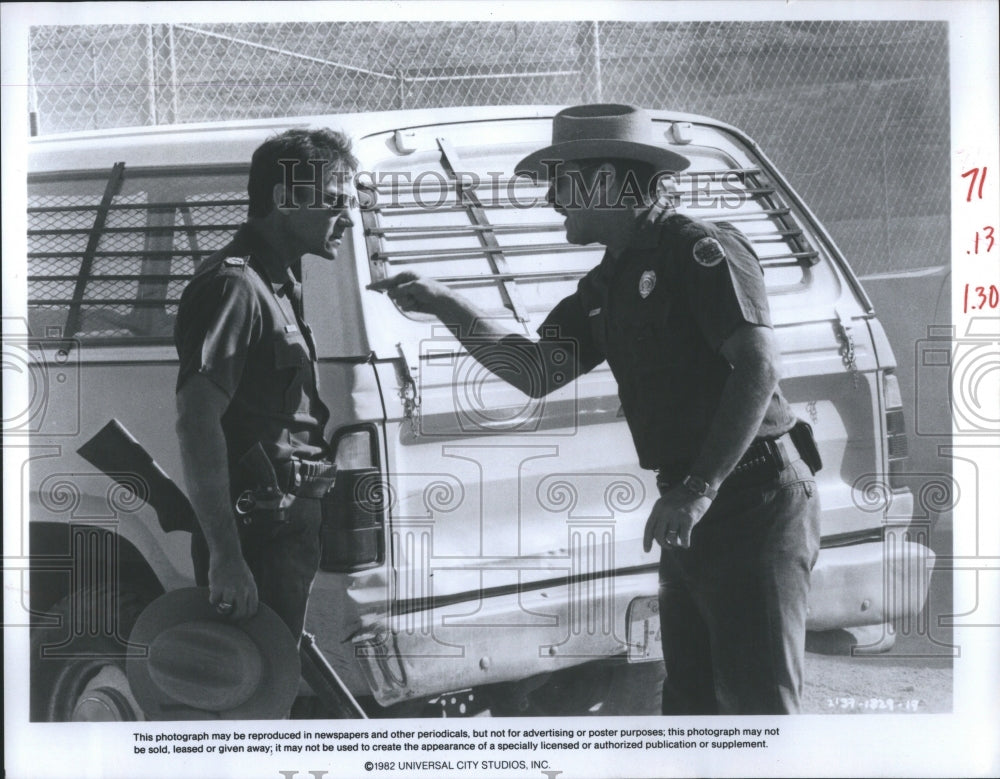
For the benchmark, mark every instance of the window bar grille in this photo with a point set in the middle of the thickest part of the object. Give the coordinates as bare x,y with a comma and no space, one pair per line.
192,235
788,226
494,253
158,256
111,189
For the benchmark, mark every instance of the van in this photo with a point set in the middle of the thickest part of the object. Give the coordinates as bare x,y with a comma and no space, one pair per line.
488,549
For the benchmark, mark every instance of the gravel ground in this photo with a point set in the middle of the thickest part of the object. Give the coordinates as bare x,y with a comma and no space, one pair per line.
886,684
914,676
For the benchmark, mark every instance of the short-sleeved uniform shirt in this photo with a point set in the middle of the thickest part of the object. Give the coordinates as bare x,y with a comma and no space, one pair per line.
244,331
658,312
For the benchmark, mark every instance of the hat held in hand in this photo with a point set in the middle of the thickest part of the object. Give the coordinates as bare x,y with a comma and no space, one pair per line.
201,665
602,131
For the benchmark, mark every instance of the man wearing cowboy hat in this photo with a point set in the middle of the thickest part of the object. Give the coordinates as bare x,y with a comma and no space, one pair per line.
250,419
678,309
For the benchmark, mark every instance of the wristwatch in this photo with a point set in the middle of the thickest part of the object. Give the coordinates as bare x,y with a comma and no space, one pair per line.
699,487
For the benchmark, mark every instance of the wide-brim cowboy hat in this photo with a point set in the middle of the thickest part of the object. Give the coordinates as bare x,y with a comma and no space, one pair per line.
601,131
199,664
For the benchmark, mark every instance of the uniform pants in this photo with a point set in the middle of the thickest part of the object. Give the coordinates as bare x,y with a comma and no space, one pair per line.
733,605
282,555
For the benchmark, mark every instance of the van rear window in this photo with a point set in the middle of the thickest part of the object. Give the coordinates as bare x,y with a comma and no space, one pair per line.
109,252
460,216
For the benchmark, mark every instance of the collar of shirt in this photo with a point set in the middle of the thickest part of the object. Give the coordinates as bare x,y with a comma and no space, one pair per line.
648,222
246,241
645,236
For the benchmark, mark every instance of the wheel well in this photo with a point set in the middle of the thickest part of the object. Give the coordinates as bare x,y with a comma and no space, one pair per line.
108,558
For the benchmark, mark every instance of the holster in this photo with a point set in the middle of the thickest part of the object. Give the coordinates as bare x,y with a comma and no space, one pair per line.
268,491
802,437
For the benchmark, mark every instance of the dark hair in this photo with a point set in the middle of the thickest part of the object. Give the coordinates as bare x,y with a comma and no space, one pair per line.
272,159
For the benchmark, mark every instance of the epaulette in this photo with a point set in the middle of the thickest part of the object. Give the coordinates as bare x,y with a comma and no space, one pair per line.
235,264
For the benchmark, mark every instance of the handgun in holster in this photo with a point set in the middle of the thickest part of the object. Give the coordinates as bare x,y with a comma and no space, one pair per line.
264,493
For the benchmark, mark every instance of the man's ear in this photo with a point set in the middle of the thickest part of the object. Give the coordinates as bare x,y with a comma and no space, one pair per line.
606,173
282,197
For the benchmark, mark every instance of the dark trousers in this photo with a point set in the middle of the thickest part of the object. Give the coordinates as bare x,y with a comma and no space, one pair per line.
282,555
733,605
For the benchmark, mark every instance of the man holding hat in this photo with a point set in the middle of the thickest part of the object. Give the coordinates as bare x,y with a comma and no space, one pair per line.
198,664
678,309
250,419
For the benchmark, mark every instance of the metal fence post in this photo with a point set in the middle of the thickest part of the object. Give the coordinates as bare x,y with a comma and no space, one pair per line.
886,224
401,92
33,126
151,64
172,64
96,91
589,61
598,87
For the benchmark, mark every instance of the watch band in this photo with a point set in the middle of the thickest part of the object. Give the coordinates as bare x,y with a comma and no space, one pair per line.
699,487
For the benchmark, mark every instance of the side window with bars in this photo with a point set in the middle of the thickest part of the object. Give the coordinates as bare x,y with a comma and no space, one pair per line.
110,252
459,216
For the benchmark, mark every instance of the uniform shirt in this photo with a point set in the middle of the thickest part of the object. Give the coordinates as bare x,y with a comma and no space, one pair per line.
658,313
244,331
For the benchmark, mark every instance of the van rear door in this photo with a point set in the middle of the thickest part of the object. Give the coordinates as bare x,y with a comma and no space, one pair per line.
521,474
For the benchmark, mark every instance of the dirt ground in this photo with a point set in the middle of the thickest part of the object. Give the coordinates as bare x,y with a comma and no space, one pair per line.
891,683
915,676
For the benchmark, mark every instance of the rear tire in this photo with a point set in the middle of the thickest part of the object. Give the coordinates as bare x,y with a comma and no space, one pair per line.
78,664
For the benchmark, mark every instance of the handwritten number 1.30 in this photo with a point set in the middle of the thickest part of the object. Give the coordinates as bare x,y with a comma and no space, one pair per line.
974,173
983,298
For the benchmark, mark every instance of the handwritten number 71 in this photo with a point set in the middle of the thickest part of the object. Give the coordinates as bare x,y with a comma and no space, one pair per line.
974,173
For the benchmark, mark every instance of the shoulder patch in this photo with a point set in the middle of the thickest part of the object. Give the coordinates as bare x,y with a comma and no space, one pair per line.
708,252
646,283
235,262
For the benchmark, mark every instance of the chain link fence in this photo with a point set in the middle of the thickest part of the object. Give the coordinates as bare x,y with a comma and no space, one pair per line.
854,113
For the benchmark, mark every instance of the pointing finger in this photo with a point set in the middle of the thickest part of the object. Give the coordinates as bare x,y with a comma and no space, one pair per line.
383,285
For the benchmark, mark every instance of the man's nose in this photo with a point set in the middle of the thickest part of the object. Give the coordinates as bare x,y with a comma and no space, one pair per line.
345,219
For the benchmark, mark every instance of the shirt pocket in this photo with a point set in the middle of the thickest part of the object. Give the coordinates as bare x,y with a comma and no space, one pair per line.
292,368
654,345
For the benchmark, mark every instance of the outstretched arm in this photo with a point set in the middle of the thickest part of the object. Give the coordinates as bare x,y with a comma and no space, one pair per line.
534,367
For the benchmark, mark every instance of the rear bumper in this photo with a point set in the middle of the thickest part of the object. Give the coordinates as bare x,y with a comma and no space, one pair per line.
869,584
514,636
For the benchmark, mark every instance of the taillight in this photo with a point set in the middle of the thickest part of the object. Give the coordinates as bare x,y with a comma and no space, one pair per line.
353,532
897,447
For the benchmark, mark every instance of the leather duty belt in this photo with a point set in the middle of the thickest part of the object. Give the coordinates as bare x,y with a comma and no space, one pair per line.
297,479
763,460
763,453
307,478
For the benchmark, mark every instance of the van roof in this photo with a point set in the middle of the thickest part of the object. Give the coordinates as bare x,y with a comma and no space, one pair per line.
233,141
